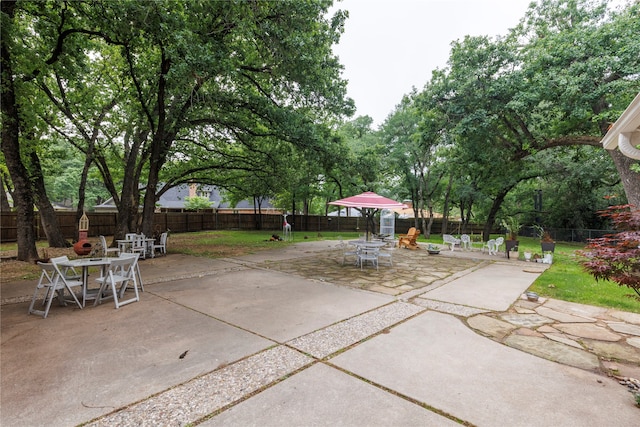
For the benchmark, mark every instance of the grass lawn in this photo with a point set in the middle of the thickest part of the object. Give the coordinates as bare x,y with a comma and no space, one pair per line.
565,279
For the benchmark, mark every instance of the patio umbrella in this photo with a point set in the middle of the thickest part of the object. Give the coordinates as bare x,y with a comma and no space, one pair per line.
368,202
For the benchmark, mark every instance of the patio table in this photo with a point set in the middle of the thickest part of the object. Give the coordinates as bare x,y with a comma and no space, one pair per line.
125,245
85,263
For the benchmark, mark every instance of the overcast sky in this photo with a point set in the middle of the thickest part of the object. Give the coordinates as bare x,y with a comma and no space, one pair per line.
390,46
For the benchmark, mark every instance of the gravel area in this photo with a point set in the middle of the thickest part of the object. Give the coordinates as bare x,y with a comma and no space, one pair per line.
445,307
329,340
204,395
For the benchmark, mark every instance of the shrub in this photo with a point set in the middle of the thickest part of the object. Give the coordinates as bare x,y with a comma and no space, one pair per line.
616,257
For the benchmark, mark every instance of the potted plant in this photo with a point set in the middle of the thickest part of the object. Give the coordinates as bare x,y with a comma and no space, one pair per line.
546,241
513,227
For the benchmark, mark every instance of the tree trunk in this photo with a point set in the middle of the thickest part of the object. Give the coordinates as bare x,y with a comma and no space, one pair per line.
630,179
48,216
4,200
445,207
493,212
22,196
83,182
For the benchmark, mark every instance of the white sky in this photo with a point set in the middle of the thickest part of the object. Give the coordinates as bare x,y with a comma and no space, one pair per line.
390,46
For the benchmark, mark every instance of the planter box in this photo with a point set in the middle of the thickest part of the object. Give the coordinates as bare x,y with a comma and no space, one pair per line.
548,246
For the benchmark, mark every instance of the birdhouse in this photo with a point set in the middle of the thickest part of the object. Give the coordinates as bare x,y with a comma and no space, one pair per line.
84,223
83,246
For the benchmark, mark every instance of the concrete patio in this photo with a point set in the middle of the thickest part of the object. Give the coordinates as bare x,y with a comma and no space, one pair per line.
293,337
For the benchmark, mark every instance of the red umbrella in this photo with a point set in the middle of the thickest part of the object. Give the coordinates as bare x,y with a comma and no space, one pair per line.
368,201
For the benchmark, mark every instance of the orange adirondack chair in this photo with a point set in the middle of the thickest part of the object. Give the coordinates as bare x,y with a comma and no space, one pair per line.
409,240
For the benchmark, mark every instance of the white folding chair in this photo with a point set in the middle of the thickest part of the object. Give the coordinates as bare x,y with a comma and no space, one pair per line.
54,279
137,268
106,250
139,246
121,271
47,283
162,245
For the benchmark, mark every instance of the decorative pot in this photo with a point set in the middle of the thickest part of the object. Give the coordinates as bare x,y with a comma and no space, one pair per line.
511,245
548,246
82,247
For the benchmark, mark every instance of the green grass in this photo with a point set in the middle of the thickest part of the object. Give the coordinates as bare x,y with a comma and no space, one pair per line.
566,280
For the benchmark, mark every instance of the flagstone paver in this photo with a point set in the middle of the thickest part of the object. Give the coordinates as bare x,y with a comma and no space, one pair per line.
562,317
626,316
527,320
553,350
624,328
614,350
588,330
491,326
412,270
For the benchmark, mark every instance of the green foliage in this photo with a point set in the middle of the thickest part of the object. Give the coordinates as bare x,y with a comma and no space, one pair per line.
617,257
197,202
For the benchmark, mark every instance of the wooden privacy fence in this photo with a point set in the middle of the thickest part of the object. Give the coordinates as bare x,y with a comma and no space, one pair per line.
181,222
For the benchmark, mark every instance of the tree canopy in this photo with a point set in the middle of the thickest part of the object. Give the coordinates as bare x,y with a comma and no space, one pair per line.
127,99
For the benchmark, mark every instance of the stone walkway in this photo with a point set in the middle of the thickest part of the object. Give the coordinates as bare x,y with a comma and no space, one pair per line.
586,337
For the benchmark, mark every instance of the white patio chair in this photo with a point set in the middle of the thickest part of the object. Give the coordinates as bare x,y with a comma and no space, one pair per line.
106,250
368,254
448,239
162,245
348,251
386,253
490,245
137,269
69,272
139,246
499,242
465,242
54,279
51,286
121,271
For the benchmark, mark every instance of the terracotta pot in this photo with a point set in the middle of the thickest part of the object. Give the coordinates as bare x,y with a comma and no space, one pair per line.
82,247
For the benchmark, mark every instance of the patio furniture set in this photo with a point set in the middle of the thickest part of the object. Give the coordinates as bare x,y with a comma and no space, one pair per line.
492,246
61,276
368,251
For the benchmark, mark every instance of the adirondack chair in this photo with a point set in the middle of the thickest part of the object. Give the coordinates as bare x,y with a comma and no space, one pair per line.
409,240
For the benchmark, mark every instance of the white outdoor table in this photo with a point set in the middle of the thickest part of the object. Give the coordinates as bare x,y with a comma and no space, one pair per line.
368,244
85,263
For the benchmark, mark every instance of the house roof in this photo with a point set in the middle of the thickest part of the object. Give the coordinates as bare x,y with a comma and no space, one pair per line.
625,132
174,198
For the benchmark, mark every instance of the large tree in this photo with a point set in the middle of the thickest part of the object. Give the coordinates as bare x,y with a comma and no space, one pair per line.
23,199
132,78
558,79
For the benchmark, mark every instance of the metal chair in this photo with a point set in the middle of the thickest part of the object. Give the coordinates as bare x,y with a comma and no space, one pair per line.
368,254
465,242
499,242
